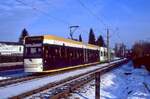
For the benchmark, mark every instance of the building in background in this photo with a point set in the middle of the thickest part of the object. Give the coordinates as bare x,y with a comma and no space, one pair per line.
11,49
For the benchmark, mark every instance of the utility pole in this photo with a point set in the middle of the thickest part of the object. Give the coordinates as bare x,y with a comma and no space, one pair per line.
97,85
108,49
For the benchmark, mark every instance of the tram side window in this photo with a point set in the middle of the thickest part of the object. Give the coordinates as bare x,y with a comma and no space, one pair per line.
60,52
50,52
104,53
39,50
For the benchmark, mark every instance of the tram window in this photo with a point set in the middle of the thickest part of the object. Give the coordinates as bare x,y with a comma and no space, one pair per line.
33,51
46,54
101,53
60,52
27,51
39,50
20,49
70,54
77,55
56,51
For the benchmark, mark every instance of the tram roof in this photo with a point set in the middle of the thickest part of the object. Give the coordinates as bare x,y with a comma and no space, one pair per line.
52,37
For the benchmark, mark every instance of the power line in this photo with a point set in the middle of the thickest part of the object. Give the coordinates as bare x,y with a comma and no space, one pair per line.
99,20
46,14
91,12
117,35
46,2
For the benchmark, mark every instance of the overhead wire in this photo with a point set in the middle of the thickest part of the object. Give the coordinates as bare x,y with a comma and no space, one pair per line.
91,12
117,35
63,21
44,13
97,17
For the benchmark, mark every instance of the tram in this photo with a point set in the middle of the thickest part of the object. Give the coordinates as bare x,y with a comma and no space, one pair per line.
52,53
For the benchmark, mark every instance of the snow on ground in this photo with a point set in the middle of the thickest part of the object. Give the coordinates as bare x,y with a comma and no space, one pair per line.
22,87
122,83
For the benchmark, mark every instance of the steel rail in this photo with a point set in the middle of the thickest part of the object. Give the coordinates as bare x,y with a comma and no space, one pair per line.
70,80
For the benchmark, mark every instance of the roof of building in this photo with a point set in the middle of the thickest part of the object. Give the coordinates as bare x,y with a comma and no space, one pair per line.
10,43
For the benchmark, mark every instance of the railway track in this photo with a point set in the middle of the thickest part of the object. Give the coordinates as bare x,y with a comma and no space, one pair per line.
16,80
62,91
62,88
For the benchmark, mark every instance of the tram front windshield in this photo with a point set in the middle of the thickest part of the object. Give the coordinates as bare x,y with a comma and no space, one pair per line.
33,52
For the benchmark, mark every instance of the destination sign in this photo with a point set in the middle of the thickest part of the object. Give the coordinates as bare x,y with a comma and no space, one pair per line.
31,40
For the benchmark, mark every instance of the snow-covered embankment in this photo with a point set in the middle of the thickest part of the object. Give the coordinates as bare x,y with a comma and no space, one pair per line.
124,82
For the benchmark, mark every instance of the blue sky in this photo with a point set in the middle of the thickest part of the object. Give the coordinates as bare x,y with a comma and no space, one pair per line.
128,20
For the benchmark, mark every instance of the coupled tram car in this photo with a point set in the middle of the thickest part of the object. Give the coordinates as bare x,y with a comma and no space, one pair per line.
51,53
